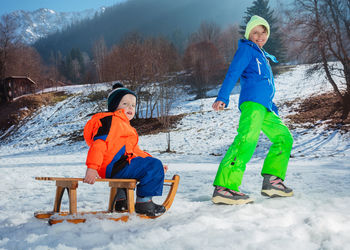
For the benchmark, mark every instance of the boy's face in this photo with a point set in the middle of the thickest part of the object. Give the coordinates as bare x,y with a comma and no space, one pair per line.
258,35
128,103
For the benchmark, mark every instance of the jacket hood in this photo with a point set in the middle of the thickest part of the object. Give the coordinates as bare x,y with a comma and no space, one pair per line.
246,42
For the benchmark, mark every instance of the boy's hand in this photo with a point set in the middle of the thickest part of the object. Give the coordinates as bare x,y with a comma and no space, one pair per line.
218,105
165,168
90,176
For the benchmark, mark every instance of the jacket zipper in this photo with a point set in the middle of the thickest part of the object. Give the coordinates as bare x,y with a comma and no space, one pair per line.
258,62
270,79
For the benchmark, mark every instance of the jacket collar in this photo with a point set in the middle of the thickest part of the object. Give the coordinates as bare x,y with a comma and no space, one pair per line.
121,114
250,43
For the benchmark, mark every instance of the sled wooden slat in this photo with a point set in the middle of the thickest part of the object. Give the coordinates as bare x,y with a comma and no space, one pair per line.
73,216
82,220
82,217
82,179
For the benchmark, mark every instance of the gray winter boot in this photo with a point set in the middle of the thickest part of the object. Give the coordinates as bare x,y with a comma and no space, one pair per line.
227,196
274,187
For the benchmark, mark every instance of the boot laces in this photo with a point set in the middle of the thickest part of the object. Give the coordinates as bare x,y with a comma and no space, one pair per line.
228,192
277,182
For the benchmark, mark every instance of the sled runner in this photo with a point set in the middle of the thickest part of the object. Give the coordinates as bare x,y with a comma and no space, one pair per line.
73,216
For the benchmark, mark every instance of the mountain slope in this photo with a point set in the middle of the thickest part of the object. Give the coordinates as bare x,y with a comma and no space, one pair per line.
33,25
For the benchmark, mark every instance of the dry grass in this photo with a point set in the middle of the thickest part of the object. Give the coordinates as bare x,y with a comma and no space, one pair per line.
14,112
145,126
324,109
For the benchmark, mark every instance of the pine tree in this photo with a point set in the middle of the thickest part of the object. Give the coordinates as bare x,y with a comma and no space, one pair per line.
274,45
77,55
73,67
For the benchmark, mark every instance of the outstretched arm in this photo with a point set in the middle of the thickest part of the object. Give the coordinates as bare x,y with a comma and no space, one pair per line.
240,61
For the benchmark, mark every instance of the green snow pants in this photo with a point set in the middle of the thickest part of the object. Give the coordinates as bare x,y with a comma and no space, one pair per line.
255,118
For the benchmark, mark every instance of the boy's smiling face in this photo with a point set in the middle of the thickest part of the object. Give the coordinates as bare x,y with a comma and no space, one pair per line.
258,35
128,103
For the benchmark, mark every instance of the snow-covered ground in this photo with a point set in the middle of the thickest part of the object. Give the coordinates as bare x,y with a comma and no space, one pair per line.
316,217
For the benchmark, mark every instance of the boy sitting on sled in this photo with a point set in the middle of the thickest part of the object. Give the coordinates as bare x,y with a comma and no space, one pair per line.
114,153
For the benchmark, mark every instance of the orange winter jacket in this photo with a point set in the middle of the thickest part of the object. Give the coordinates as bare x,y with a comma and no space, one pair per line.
110,136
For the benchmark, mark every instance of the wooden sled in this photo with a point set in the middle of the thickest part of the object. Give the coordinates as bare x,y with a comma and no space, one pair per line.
73,216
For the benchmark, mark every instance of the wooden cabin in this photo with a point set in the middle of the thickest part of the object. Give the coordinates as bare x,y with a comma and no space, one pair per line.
15,86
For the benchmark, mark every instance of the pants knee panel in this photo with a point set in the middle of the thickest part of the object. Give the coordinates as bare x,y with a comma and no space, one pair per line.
155,165
289,140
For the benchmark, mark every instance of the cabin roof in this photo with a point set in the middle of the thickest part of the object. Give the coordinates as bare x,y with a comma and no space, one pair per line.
20,77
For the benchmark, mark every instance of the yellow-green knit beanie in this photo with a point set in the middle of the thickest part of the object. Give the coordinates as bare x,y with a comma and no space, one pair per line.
255,21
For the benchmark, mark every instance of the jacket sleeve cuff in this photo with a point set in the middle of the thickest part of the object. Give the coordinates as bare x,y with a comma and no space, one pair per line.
93,166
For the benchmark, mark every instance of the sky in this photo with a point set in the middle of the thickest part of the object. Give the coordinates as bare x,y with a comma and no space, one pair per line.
8,6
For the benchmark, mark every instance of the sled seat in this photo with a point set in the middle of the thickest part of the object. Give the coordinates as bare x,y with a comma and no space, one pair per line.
73,216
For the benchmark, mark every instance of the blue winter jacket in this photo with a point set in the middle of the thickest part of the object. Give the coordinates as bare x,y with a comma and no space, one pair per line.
251,65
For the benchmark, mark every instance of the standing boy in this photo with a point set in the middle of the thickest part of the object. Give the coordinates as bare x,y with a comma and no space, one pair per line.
258,113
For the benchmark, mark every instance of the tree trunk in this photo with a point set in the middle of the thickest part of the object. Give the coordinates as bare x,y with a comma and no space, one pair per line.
168,141
346,106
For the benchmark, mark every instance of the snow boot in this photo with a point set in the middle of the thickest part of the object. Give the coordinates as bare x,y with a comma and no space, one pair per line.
274,187
227,196
149,208
121,206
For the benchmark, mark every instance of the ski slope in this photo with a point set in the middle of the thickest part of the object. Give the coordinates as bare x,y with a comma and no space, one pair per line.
316,217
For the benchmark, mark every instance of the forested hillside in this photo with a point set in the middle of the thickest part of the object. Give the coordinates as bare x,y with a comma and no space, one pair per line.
172,19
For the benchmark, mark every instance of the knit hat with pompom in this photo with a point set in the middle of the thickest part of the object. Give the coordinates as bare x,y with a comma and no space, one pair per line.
116,95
